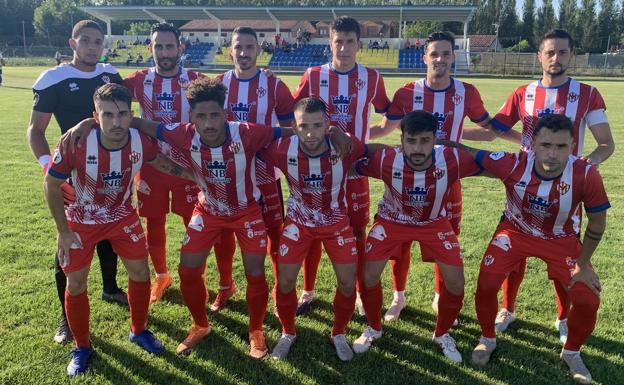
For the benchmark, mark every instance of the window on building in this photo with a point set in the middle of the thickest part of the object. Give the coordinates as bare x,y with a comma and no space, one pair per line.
191,34
323,31
206,34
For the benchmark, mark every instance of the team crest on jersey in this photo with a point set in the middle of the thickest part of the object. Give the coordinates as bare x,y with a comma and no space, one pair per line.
261,92
549,111
417,196
341,106
106,79
497,155
241,110
538,205
165,105
36,100
183,83
488,260
134,157
313,183
57,157
571,262
217,171
439,173
235,147
360,84
457,99
563,188
73,87
573,97
441,118
283,250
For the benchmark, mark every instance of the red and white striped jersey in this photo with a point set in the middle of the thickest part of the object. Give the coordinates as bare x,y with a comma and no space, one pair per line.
546,208
416,197
316,184
103,178
348,96
580,102
163,99
450,106
226,174
261,100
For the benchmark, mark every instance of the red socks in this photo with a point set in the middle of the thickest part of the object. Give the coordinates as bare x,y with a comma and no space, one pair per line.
194,293
224,254
372,299
138,298
157,242
343,310
311,264
439,282
400,267
448,310
511,286
77,310
274,234
257,296
287,309
486,301
582,318
563,300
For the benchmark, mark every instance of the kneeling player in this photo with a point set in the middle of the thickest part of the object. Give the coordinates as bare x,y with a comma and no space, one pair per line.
419,178
103,173
316,212
545,188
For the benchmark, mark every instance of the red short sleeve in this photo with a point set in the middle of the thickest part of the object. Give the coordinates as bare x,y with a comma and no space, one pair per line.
130,83
594,195
150,148
284,102
303,88
500,164
398,108
596,102
467,166
178,135
381,101
474,105
508,115
61,163
257,136
370,166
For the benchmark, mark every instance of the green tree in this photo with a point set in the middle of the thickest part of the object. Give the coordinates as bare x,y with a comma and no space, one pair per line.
545,20
508,21
138,28
528,21
607,27
588,26
53,20
421,28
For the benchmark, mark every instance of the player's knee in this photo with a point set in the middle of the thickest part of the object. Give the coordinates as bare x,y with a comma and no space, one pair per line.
582,296
370,278
76,287
286,284
455,285
346,287
139,272
489,283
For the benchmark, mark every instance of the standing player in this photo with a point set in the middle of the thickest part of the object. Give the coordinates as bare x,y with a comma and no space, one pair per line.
66,92
450,101
160,91
554,93
316,211
348,89
545,189
103,174
419,178
2,63
254,97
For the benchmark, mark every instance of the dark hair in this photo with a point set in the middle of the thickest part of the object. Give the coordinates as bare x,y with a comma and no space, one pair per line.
82,24
555,123
245,31
440,36
113,92
310,105
206,90
557,34
345,24
165,27
417,122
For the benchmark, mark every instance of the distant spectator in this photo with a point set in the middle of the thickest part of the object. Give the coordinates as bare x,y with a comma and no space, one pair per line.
147,41
58,57
139,59
2,63
137,41
385,45
196,40
326,53
417,45
407,44
130,58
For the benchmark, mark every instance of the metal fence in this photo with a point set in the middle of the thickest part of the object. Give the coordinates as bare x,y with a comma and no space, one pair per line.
508,63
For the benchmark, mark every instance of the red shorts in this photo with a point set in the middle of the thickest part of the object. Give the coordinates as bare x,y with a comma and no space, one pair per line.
437,240
454,207
358,202
272,204
509,246
153,189
126,236
337,239
204,230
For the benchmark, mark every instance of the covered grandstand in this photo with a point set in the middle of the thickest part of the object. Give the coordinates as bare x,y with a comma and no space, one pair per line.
206,52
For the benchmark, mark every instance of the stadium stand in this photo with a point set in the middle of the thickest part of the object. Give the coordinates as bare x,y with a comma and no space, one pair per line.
198,53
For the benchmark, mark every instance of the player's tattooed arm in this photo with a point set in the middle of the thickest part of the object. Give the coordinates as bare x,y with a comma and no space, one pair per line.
166,165
341,141
384,128
596,225
65,237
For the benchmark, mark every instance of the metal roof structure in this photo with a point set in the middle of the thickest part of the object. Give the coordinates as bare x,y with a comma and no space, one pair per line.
461,14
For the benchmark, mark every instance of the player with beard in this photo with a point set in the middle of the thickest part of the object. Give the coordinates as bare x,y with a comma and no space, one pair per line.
554,93
66,91
418,177
255,96
450,101
160,91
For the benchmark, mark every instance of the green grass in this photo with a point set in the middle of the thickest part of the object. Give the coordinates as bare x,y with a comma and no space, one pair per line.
527,353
